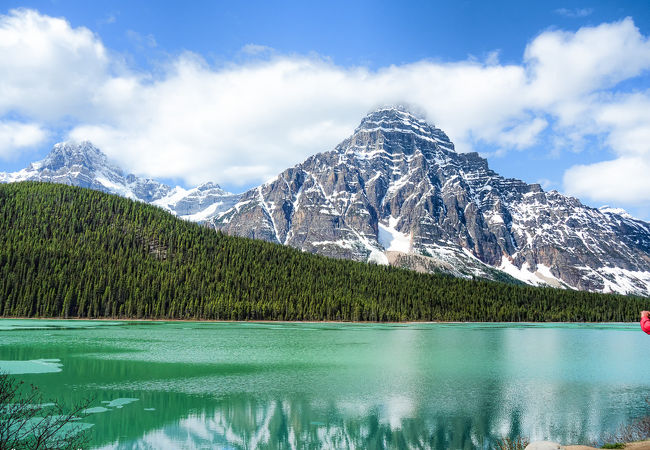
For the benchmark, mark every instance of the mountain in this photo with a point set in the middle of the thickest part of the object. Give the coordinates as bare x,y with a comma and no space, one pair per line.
67,251
84,165
396,192
197,204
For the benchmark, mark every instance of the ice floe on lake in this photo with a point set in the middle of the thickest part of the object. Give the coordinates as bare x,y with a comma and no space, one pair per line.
31,366
119,402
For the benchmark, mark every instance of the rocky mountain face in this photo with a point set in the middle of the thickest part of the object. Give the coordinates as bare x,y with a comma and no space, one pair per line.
86,166
396,192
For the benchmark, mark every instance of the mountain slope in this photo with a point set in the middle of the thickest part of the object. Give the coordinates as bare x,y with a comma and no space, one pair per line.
396,192
85,165
73,252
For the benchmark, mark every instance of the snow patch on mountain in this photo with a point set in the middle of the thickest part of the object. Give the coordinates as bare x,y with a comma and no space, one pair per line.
205,214
618,211
541,276
624,281
391,239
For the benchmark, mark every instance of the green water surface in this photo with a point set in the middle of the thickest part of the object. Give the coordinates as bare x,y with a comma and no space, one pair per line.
284,385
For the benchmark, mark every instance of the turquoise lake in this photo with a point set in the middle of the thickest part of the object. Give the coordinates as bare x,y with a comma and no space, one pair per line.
289,385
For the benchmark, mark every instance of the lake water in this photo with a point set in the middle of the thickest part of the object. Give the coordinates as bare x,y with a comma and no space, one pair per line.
283,385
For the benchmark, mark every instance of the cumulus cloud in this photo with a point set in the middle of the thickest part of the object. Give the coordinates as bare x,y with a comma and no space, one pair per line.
48,69
563,66
624,122
17,136
242,123
618,180
270,114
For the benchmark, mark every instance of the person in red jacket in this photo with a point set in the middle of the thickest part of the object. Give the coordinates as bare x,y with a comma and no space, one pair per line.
645,321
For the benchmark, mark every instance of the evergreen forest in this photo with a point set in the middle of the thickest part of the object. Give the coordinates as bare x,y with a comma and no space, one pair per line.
71,252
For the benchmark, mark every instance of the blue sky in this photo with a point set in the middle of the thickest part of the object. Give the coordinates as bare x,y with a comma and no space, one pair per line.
234,92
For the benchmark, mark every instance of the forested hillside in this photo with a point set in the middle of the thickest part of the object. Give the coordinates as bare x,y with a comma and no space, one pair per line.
73,252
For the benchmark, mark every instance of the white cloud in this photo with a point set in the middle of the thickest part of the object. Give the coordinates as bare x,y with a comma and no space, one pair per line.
563,66
623,180
16,136
627,118
624,121
243,123
197,122
48,70
574,13
523,134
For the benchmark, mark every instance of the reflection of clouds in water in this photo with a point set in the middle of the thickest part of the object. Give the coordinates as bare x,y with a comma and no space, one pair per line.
406,352
349,408
248,423
396,409
543,372
535,411
391,411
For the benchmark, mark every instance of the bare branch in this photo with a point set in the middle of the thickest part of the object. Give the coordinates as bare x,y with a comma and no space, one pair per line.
26,422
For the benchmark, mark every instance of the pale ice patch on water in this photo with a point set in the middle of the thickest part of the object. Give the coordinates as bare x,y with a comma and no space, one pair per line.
31,366
119,402
95,410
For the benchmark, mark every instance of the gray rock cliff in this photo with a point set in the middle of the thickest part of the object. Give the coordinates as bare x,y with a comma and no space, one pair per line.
396,192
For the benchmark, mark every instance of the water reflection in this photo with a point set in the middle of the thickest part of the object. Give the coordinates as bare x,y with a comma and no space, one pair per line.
197,385
244,422
241,422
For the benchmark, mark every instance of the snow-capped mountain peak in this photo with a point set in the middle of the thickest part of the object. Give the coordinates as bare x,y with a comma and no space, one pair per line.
83,164
69,154
397,119
396,192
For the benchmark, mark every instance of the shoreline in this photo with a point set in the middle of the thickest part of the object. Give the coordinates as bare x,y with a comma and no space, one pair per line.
107,319
638,445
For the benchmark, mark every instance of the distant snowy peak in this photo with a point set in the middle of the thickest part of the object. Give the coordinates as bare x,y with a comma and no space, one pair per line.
68,154
198,204
395,192
83,164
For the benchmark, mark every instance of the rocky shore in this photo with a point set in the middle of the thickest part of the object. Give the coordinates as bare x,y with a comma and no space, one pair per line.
547,445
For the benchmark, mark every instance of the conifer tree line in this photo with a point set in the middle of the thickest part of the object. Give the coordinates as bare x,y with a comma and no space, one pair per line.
73,252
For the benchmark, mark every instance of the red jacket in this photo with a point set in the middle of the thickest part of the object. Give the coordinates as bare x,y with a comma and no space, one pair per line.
645,324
